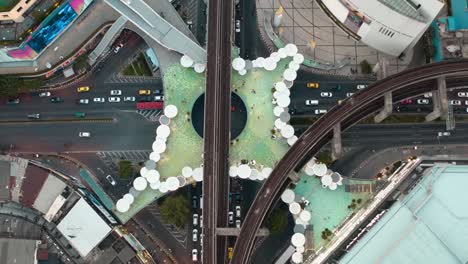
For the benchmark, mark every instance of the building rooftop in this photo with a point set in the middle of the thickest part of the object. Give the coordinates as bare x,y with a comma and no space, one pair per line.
404,7
429,225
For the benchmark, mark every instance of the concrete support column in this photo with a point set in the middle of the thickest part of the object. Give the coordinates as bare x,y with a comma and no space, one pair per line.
387,110
294,177
439,101
337,148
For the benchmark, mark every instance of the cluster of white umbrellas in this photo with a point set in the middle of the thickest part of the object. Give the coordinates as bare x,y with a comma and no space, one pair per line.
302,217
239,65
188,62
244,171
328,178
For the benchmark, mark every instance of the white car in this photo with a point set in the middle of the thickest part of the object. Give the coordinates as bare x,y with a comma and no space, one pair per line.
118,47
238,223
129,99
159,98
320,111
237,26
423,101
114,99
99,100
311,102
195,235
116,92
466,102
44,94
238,211
111,180
326,94
194,255
455,102
349,94
462,94
84,134
84,101
444,134
428,95
195,219
361,86
201,221
231,217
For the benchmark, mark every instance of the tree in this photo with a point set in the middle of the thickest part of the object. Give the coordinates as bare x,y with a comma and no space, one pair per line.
366,68
175,210
125,169
277,221
325,157
10,85
81,62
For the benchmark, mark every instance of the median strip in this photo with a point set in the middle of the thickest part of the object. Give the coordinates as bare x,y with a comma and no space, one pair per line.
63,120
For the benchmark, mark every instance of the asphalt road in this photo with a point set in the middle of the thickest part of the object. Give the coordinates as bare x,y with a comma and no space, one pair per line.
318,135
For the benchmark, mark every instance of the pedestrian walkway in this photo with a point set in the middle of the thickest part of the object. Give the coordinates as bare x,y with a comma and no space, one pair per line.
179,234
112,158
159,29
151,115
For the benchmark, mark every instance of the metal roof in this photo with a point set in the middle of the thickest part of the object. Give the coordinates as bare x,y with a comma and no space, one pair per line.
404,7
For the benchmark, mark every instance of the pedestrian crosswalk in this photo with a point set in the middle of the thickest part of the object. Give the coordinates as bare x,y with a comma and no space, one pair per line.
151,115
179,234
115,78
112,158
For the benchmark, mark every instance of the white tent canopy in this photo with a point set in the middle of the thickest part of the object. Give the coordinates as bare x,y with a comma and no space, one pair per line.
238,64
289,75
187,171
288,196
170,111
294,208
199,68
140,184
298,240
186,61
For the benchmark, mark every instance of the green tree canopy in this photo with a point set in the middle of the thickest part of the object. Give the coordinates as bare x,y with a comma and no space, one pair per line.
175,210
277,220
125,169
12,85
366,68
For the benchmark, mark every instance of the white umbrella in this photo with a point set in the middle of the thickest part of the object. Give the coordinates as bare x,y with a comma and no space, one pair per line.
287,131
326,180
291,49
140,184
238,64
269,64
285,92
198,174
244,171
278,110
153,176
298,58
170,111
293,66
297,257
155,156
309,171
283,100
260,62
155,185
233,171
282,53
199,68
289,84
280,86
144,172
242,72
311,163
289,75
122,205
305,215
129,198
276,94
294,208
275,56
279,124
182,181
187,171
320,169
253,174
288,196
285,116
163,187
266,172
172,183
163,131
299,221
333,186
164,120
298,239
186,61
292,140
159,146
300,250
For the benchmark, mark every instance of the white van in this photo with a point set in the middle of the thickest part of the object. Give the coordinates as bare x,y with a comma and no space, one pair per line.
361,86
320,111
311,102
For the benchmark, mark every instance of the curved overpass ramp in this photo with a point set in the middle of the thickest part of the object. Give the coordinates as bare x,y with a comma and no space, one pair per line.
318,135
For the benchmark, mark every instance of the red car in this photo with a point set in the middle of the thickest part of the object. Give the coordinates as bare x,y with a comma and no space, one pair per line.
407,101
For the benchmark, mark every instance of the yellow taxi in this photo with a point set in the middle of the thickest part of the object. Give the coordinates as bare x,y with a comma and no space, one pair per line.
313,85
82,89
230,252
144,92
